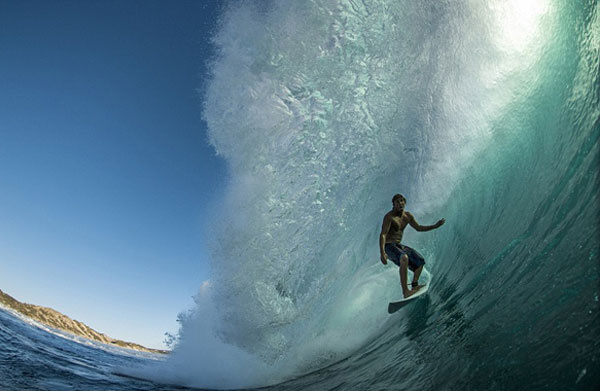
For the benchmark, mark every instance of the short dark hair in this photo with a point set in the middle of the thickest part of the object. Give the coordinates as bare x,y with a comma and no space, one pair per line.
396,196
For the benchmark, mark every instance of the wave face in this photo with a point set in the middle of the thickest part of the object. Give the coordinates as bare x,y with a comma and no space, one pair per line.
485,113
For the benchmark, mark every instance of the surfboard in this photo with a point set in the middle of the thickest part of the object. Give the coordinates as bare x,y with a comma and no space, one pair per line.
396,305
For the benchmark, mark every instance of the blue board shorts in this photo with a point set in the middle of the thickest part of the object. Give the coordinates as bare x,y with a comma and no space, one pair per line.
395,251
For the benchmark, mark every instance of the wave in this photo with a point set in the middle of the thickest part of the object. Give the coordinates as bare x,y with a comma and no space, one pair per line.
325,109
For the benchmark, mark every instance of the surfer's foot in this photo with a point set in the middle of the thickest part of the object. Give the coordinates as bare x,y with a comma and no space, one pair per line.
415,285
409,292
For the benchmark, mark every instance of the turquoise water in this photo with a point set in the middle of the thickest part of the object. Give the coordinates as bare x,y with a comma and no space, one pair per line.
484,113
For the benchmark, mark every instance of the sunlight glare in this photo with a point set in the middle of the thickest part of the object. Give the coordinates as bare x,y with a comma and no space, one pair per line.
518,22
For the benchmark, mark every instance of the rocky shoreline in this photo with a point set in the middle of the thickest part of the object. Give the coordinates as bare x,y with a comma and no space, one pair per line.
56,320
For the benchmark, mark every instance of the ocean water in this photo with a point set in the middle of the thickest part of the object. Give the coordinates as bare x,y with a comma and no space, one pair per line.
485,113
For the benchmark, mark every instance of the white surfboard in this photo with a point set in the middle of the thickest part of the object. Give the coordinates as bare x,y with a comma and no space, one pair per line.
396,305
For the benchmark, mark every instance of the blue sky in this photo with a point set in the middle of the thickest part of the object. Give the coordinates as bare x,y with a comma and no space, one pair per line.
106,176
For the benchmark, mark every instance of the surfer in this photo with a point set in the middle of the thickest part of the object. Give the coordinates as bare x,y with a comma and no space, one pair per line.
405,257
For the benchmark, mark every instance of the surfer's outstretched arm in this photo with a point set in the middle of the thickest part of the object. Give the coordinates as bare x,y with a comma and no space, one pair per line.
423,228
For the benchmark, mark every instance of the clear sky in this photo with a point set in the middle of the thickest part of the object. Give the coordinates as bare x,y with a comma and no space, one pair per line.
106,176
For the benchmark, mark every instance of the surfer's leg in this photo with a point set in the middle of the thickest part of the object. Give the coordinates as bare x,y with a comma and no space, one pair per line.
416,275
403,276
415,263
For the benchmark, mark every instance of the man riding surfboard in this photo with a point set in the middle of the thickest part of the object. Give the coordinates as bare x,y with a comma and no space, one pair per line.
390,247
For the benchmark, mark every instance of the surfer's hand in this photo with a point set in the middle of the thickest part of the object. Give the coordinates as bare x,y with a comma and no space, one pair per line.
384,259
440,222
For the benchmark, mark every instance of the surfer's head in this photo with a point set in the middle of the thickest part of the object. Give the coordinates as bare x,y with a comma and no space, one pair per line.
399,201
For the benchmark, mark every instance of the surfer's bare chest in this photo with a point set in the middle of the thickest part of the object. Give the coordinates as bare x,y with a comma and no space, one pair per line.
397,225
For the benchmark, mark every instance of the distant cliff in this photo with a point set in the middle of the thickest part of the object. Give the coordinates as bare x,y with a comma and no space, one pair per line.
56,320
